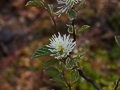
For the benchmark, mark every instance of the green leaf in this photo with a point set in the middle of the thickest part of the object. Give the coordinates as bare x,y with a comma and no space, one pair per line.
70,29
81,6
79,56
77,63
50,8
42,52
50,62
83,28
59,80
69,63
35,3
74,76
72,14
53,72
117,38
61,65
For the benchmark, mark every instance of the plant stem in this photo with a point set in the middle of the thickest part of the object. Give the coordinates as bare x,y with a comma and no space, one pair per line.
81,73
74,36
67,84
73,23
117,84
54,22
51,16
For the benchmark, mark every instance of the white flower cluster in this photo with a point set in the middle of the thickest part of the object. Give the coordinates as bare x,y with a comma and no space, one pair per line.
61,46
66,5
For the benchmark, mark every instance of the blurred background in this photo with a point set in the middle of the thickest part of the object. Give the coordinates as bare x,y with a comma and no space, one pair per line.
25,29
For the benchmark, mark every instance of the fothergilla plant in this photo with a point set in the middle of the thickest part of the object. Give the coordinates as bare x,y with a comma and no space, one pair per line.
61,46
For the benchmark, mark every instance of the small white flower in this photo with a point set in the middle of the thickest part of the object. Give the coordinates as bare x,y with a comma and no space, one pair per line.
61,46
66,5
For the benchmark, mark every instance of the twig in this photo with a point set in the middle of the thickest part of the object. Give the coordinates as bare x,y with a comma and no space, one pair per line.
74,36
67,84
73,23
54,22
51,16
81,73
117,84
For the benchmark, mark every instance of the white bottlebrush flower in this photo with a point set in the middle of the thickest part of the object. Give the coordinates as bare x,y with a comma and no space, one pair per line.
66,5
61,46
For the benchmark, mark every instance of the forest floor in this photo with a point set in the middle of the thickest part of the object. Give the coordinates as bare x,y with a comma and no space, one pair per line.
25,29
